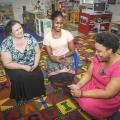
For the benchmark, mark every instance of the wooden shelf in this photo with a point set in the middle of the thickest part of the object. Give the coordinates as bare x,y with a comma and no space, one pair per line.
87,22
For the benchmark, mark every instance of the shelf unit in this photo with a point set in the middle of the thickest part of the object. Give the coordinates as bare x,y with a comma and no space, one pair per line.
88,22
30,17
43,26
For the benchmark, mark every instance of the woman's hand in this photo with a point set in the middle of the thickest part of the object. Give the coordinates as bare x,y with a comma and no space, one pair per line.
59,60
55,58
64,62
33,67
27,68
73,87
75,90
76,93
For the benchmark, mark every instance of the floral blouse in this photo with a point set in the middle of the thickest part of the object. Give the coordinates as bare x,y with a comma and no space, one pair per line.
27,57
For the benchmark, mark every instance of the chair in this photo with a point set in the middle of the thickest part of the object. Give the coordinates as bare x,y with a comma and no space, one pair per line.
76,60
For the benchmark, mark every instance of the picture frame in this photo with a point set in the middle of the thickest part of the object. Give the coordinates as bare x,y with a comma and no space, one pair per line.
83,20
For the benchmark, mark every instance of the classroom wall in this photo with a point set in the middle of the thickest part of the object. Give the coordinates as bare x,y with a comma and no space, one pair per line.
18,6
115,9
18,10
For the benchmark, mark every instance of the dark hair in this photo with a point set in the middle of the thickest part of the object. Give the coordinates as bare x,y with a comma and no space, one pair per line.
56,14
8,27
109,40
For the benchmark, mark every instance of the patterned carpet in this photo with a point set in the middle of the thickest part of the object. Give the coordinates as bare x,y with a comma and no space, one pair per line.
57,104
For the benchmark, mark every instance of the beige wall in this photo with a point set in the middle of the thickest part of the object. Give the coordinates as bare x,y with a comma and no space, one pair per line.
17,8
115,9
18,4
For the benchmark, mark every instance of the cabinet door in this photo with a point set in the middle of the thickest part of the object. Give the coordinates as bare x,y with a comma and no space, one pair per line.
31,21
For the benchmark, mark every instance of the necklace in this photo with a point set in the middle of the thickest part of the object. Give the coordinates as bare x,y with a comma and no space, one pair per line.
101,72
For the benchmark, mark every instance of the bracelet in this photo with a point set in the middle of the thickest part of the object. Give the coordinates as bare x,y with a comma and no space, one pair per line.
81,94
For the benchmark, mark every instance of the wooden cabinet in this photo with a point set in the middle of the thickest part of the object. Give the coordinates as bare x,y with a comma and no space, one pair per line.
90,21
30,17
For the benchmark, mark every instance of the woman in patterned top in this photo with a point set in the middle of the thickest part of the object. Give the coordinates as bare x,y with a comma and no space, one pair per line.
20,55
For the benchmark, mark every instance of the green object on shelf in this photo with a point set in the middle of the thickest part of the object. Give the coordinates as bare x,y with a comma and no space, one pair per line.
48,24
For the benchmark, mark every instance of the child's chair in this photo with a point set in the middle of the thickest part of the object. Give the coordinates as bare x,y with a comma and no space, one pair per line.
76,60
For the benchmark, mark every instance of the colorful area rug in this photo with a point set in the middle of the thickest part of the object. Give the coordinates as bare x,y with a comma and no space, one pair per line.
70,27
57,104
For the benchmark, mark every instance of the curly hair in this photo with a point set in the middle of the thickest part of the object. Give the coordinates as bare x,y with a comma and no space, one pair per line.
109,40
56,14
8,27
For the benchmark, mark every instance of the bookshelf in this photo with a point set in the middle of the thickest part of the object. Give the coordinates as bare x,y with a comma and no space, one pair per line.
89,21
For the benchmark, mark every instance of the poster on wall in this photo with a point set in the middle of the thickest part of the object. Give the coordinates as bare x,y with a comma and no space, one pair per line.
83,20
6,12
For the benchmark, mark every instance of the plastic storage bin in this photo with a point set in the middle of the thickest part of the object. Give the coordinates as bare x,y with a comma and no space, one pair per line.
43,26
